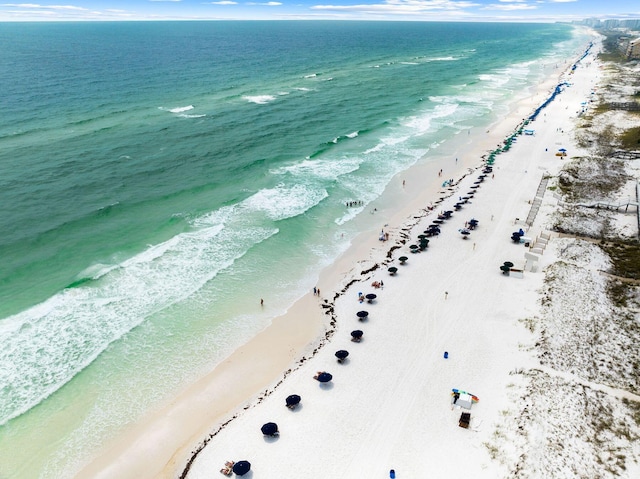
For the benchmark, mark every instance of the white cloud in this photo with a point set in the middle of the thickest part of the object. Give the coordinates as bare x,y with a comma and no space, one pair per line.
403,6
223,2
47,7
510,7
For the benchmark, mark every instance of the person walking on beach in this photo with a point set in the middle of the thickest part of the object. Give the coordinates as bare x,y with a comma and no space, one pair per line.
261,302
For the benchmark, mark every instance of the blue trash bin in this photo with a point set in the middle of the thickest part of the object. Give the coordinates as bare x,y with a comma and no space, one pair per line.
446,354
392,473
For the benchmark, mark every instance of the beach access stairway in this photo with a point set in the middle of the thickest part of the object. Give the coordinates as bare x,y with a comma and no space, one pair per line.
537,201
610,205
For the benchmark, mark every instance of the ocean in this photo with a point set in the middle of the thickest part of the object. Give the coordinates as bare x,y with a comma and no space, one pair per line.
158,178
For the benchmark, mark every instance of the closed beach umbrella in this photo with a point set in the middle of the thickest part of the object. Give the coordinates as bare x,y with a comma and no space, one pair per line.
241,467
269,429
293,400
370,297
324,377
362,314
356,334
342,354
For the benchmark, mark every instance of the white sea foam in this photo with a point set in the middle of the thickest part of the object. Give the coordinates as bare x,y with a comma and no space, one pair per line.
259,99
495,80
51,342
181,109
311,75
321,168
192,116
284,201
422,123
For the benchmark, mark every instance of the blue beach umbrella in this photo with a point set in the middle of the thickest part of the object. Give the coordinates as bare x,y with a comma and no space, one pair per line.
241,467
293,400
324,377
269,429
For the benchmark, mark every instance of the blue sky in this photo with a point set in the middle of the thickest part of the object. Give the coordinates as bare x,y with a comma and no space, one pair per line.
435,10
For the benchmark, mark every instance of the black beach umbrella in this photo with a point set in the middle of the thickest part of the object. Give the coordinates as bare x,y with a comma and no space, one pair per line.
342,354
356,334
269,429
362,314
324,377
402,259
370,297
393,270
293,400
241,467
508,264
414,248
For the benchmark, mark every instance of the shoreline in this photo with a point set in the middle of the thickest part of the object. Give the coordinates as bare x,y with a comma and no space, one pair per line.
191,413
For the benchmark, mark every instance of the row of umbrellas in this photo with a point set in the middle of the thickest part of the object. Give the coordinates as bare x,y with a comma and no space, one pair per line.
270,429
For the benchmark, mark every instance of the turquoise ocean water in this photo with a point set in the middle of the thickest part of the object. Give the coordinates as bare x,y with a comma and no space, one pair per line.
157,179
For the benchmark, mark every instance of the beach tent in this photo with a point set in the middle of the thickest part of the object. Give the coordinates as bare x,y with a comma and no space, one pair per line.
463,399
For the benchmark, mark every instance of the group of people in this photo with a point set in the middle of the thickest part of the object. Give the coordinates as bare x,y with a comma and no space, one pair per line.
377,284
351,204
384,236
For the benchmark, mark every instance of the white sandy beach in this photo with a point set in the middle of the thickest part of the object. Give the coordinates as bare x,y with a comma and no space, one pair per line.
389,404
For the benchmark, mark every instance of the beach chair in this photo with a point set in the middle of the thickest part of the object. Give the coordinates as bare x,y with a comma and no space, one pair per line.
465,419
